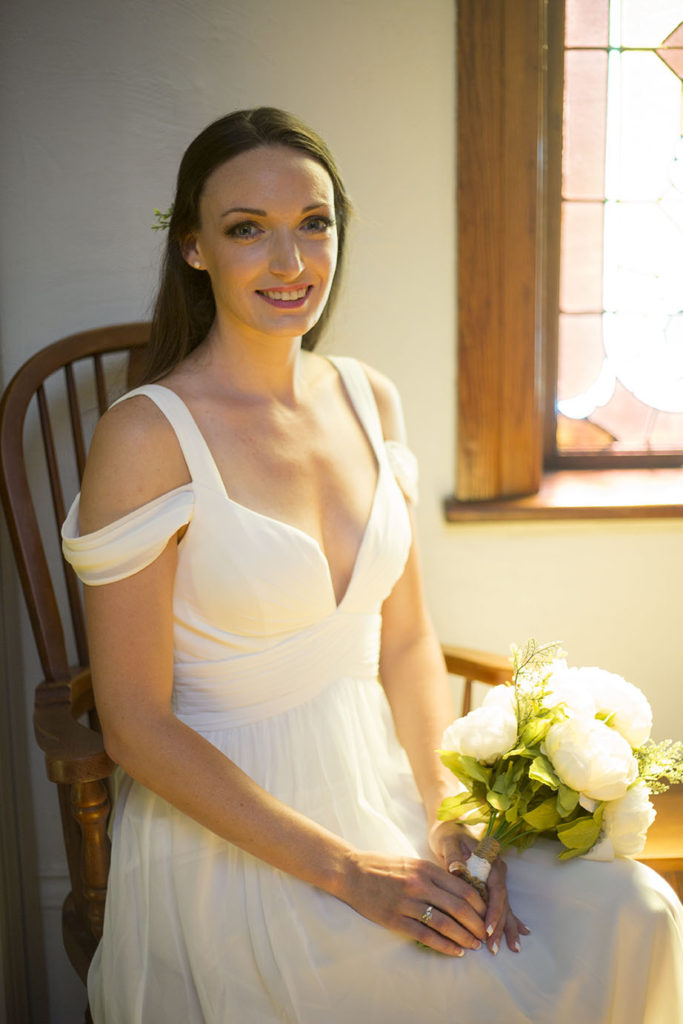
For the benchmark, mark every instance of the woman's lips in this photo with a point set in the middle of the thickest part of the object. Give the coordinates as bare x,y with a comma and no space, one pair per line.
286,298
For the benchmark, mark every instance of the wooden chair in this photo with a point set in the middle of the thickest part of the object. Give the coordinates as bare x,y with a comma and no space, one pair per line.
54,380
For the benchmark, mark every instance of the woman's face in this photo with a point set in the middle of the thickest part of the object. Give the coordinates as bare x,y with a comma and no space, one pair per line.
268,241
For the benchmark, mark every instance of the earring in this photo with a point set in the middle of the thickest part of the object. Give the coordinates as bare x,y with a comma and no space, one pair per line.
197,265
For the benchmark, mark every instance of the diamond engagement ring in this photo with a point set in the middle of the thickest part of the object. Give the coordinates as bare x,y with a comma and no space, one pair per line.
427,916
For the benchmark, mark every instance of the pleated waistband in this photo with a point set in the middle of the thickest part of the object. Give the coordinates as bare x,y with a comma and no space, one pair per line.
248,687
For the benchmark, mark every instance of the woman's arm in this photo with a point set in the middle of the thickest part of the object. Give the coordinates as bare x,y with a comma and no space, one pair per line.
414,677
130,630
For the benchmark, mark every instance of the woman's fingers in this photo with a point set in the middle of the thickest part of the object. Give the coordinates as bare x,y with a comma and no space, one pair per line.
431,938
418,897
453,922
452,843
498,906
514,928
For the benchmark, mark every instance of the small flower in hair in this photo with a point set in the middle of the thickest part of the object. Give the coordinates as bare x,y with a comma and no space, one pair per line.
162,219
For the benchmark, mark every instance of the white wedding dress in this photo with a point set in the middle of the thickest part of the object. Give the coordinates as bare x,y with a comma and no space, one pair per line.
284,681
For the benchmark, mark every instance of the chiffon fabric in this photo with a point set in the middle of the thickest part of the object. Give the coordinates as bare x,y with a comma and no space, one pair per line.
283,679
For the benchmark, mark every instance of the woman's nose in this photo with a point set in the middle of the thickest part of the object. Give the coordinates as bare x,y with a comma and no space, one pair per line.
285,258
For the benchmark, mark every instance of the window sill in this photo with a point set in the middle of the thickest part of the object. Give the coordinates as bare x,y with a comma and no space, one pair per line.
584,494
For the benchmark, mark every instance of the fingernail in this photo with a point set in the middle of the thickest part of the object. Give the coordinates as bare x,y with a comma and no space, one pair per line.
489,930
477,945
461,952
515,947
455,866
494,948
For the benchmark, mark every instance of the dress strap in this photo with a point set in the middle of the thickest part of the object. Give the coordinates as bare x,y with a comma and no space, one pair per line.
356,382
396,454
197,454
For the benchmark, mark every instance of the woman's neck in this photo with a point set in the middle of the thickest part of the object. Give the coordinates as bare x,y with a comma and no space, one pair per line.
259,368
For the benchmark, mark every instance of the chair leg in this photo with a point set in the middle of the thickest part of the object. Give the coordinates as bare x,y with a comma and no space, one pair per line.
90,806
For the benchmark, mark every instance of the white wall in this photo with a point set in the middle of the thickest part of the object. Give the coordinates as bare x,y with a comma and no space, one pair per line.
99,101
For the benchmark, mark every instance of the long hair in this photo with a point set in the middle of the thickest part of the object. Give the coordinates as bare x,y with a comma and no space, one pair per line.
185,306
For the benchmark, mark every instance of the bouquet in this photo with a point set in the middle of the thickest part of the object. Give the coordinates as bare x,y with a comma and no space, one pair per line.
559,752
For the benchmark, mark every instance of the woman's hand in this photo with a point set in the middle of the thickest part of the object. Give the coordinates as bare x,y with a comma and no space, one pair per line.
417,898
453,843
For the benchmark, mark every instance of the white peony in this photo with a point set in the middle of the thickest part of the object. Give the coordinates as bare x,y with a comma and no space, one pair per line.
565,686
625,825
487,732
594,691
591,758
632,711
627,820
503,697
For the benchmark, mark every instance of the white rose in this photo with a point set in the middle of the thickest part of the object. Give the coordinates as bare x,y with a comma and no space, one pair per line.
485,733
591,758
612,694
627,820
565,686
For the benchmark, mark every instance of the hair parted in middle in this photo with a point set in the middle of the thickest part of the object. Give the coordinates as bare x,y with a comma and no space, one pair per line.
185,306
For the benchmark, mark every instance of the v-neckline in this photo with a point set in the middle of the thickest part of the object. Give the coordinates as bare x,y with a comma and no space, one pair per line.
282,522
308,538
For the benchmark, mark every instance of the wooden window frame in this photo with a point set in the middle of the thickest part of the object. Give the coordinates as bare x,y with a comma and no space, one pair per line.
509,139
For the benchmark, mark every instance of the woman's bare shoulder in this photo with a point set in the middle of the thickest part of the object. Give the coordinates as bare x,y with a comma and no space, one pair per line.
388,402
134,457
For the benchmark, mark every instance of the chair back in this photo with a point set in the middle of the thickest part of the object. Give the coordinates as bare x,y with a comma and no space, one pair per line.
47,415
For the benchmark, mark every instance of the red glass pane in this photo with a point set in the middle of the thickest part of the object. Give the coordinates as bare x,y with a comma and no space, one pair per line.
665,431
581,353
585,118
581,258
586,22
625,418
673,59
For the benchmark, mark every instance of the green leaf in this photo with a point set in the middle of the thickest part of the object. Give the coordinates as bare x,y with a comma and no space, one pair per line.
535,730
567,800
542,770
580,834
500,801
525,841
544,816
521,751
479,790
455,806
568,854
503,784
466,768
476,770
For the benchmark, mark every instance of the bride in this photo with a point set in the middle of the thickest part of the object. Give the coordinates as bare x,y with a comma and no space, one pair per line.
245,536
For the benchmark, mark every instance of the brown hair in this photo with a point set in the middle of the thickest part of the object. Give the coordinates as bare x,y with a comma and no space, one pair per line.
185,306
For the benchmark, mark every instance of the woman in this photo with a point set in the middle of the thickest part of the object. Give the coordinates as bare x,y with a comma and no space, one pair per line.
250,568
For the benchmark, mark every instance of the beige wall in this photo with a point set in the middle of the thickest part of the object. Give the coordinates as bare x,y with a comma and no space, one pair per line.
100,100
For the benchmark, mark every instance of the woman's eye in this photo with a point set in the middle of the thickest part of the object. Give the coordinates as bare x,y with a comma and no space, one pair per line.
318,225
246,229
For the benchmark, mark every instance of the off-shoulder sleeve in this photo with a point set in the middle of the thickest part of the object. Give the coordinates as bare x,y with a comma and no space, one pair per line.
405,468
127,545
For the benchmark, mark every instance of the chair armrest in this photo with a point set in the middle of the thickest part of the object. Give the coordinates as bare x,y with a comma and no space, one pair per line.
73,752
479,666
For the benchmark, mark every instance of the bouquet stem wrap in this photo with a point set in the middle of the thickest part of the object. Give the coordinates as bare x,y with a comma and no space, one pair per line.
479,864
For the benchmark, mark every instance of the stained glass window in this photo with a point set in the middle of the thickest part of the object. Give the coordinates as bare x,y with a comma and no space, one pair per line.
620,359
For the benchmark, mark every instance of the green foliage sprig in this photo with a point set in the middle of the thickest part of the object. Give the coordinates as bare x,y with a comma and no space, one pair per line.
162,219
660,765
